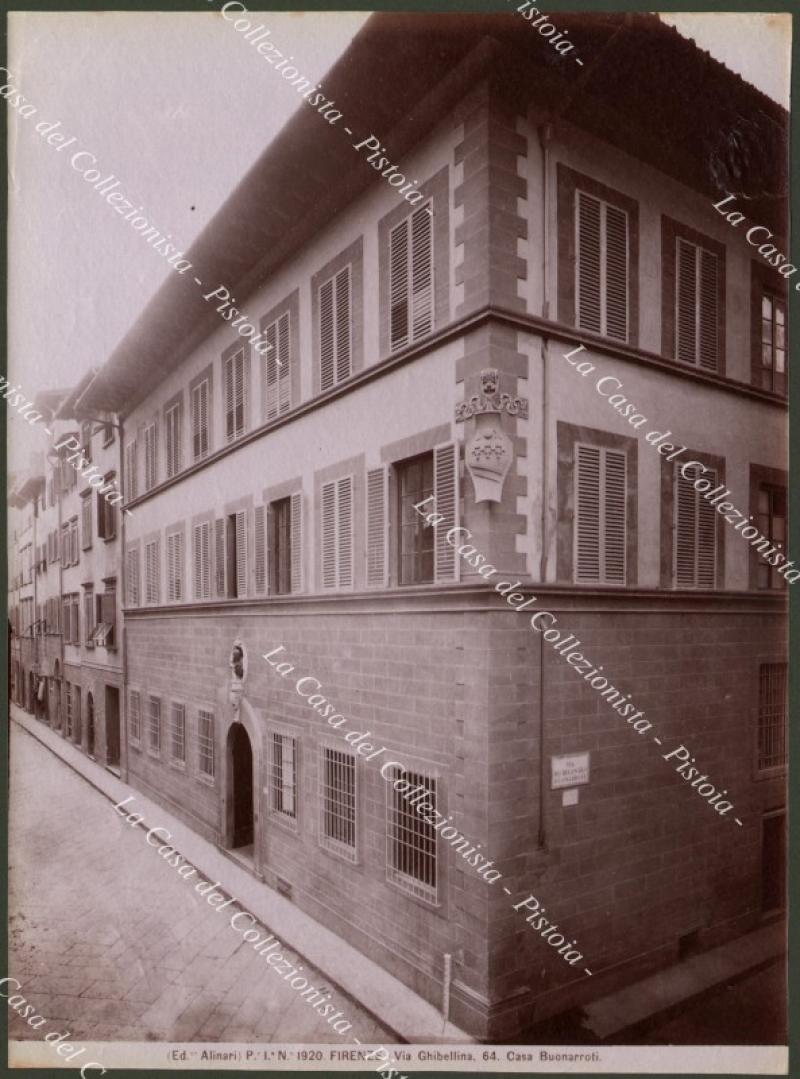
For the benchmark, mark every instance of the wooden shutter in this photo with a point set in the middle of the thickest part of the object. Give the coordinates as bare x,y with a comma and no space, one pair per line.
241,553
335,329
175,566
695,532
151,570
344,525
230,429
132,578
445,491
421,273
600,515
200,420
686,301
377,528
616,268
398,285
219,555
343,325
707,310
329,535
260,552
296,542
327,337
197,561
588,249
277,368
130,470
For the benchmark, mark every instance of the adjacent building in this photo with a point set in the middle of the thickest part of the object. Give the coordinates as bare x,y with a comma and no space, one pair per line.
418,356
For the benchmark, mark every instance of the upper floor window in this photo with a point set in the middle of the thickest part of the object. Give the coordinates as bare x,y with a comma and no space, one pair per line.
88,617
600,531
416,539
175,566
411,299
106,513
236,553
277,368
773,343
284,544
337,533
108,434
601,266
773,711
86,522
172,438
202,560
131,467
696,305
200,395
150,456
132,577
235,384
335,329
86,440
105,631
695,546
152,572
772,525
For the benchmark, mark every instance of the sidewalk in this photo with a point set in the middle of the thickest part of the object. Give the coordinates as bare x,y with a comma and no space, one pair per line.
392,1003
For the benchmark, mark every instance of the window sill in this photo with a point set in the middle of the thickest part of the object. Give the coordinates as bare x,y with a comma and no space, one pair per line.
342,854
177,764
206,779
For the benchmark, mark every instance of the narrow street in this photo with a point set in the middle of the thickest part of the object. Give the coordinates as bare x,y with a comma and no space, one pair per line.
107,938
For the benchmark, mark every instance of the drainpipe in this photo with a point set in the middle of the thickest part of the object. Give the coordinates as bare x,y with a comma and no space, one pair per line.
448,978
122,592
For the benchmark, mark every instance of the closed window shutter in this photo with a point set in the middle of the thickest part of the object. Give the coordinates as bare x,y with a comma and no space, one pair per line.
219,554
344,491
398,285
421,273
296,542
241,553
343,325
260,553
108,608
150,460
589,264
205,559
697,298
172,436
707,311
229,416
152,574
200,420
445,491
602,267
616,299
235,396
327,337
329,535
377,531
277,368
175,566
600,515
695,535
130,470
335,329
132,578
197,532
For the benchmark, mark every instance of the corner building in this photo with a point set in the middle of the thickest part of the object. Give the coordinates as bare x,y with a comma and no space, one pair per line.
272,499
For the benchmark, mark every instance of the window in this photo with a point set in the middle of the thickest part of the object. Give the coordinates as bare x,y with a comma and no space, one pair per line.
68,702
135,716
416,546
774,345
280,547
86,522
773,710
200,400
772,524
283,775
74,602
337,533
411,853
335,331
105,630
338,802
172,439
601,267
411,278
106,513
150,456
236,551
260,552
696,305
178,733
86,440
205,742
174,567
600,514
132,577
202,560
277,368
154,725
235,395
695,530
131,470
88,617
108,434
152,572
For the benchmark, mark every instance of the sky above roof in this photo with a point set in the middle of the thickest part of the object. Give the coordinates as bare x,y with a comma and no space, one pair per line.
177,107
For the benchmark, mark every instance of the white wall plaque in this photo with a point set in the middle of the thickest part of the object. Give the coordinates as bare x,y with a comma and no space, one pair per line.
569,770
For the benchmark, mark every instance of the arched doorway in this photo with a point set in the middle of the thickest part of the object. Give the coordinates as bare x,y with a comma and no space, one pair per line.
90,724
240,789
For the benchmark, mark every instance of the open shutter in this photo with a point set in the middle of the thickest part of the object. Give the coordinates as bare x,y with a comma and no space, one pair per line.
327,338
589,263
344,492
377,530
260,552
587,513
219,554
445,491
615,531
707,311
616,298
398,285
241,553
329,535
296,542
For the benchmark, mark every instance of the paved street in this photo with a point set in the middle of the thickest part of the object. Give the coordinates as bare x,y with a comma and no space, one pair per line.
108,939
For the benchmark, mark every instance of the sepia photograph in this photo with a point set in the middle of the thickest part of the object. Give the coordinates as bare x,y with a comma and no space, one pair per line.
397,410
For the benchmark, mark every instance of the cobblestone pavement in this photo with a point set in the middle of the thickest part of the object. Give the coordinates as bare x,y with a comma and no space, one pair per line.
108,939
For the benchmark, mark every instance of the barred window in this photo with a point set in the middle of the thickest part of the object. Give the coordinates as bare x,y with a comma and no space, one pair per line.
178,732
411,841
205,742
338,802
283,775
772,715
154,725
135,716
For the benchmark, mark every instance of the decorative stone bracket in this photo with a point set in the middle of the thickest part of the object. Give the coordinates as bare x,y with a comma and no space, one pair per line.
489,452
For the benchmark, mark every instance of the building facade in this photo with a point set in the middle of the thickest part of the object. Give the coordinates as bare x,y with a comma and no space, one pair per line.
446,352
